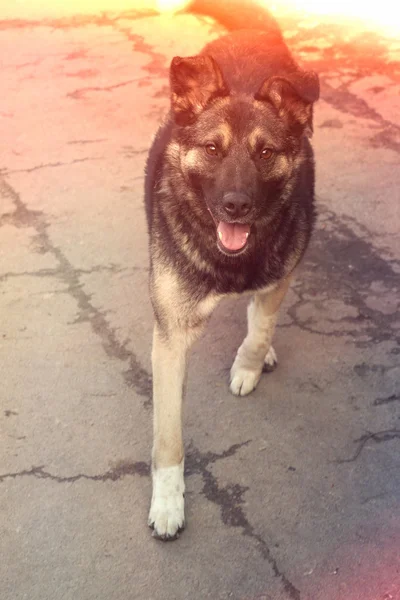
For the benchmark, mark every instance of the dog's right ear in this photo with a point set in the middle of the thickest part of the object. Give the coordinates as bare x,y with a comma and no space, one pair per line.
195,81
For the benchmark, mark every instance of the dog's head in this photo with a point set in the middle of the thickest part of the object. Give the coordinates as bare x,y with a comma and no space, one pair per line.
239,151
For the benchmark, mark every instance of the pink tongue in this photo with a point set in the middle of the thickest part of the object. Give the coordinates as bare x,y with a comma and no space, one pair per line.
233,236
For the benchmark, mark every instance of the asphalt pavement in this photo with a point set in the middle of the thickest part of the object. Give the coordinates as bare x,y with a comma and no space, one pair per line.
293,493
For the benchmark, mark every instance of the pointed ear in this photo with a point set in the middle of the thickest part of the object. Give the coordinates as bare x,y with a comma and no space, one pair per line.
293,96
195,81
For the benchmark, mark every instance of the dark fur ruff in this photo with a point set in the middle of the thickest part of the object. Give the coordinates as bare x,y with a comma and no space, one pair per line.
250,81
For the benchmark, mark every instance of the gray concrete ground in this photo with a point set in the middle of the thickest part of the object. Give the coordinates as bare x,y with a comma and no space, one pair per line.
293,492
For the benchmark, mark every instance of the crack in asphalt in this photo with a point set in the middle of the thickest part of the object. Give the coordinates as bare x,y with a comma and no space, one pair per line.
363,369
130,151
379,437
341,265
229,499
50,165
87,141
156,66
121,470
135,376
388,400
80,93
347,102
103,20
367,54
58,272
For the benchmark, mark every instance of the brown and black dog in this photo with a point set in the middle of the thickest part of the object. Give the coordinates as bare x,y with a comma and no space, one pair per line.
230,207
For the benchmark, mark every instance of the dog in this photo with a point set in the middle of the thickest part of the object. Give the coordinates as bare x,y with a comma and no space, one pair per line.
229,198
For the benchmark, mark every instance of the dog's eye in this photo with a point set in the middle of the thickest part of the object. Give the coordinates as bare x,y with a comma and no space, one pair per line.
266,154
211,149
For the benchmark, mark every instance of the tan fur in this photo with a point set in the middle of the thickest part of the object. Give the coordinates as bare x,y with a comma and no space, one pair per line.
224,132
182,323
192,253
296,255
191,160
254,137
181,310
282,168
169,361
173,152
262,315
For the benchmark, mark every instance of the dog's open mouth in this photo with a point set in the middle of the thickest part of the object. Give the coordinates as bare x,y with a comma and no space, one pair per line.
232,237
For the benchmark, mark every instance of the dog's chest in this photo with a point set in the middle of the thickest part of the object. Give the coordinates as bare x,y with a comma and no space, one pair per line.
246,280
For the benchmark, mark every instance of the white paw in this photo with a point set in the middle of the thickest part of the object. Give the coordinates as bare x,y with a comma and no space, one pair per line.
167,511
243,381
270,360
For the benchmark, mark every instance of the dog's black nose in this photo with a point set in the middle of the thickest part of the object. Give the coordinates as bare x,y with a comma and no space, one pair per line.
236,204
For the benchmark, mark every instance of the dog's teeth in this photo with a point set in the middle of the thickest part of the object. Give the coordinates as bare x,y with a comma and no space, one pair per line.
220,235
247,234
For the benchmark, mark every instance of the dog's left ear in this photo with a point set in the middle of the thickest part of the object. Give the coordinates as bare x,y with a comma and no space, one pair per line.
293,96
195,81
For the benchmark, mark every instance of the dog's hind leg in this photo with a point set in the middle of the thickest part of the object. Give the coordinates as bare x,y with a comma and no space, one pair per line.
256,352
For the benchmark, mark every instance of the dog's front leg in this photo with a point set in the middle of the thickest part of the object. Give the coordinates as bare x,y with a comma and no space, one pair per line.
170,347
179,322
169,364
256,350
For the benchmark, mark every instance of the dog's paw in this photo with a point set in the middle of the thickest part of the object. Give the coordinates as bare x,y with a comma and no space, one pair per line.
167,511
166,517
270,360
244,381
